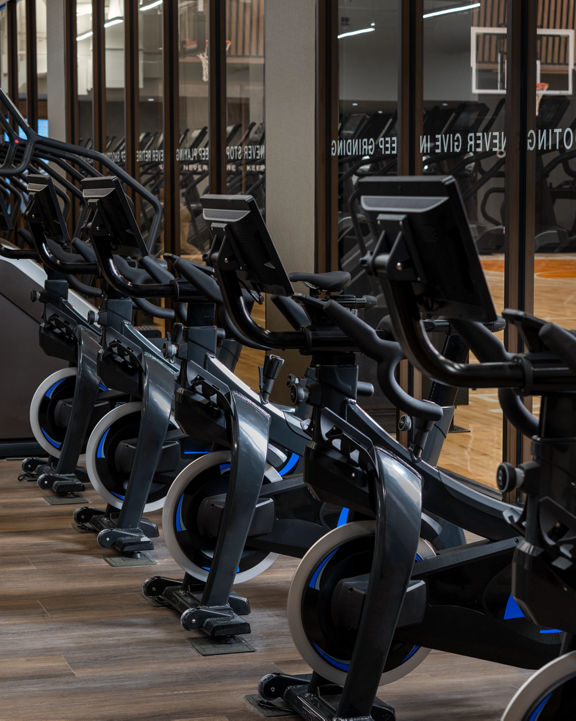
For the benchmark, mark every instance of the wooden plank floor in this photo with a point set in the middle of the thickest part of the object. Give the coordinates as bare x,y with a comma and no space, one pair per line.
78,642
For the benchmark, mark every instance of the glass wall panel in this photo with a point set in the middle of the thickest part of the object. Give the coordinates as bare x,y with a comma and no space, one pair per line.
114,50
4,48
42,65
84,40
463,135
368,141
21,47
151,142
245,146
554,143
193,128
367,144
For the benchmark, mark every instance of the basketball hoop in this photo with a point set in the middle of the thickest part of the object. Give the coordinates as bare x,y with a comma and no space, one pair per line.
541,88
205,61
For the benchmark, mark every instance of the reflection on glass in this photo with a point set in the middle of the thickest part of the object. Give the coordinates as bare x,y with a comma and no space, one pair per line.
42,63
4,48
85,79
463,135
554,143
245,146
193,148
367,142
114,42
150,155
21,47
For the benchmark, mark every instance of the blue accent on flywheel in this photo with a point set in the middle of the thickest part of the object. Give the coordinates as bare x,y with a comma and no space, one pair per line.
52,388
117,495
195,453
51,441
103,387
224,466
539,708
178,512
290,464
412,652
207,568
318,571
343,517
100,451
513,610
331,660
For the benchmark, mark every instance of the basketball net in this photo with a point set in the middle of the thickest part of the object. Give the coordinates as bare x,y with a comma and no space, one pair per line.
541,89
206,63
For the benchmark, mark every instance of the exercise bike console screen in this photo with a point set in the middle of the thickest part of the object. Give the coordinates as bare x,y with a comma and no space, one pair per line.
47,207
123,231
451,282
254,253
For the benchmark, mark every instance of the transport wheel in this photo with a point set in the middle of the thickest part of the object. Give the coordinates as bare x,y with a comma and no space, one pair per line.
548,695
324,642
191,546
46,419
109,454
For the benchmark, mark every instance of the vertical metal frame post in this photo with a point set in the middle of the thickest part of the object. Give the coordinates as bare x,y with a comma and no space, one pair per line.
12,26
171,44
31,65
131,86
98,75
71,65
410,121
520,187
217,95
327,116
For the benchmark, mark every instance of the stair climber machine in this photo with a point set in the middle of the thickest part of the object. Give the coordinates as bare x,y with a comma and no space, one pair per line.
364,603
429,265
24,363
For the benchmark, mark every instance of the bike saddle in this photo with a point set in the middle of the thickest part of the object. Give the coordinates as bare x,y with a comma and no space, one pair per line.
332,282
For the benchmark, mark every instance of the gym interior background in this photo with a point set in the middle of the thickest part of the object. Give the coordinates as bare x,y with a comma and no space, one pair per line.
293,102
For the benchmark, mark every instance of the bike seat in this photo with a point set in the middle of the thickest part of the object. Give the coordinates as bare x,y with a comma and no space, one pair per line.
334,281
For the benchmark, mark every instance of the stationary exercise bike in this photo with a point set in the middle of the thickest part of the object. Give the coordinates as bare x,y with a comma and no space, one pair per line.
216,408
344,464
415,284
122,363
544,572
69,402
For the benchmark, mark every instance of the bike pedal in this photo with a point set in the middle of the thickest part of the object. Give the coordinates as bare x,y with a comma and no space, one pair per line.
214,621
61,483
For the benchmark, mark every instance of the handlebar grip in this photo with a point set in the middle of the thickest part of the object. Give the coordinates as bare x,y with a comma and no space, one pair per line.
292,311
487,348
17,253
157,272
363,335
154,310
83,288
388,354
200,280
561,342
483,343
